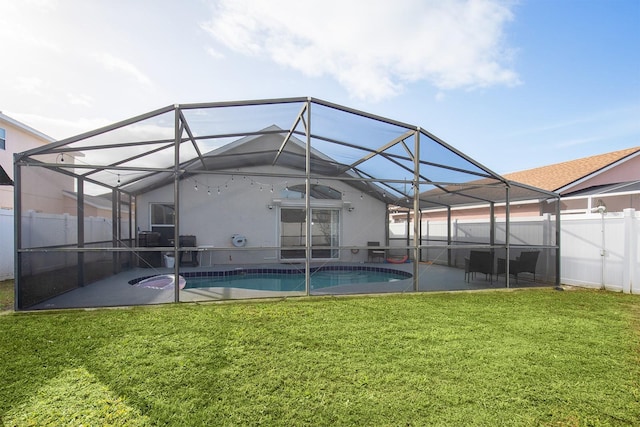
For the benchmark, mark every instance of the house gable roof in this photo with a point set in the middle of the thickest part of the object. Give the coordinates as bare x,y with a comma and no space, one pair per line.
560,177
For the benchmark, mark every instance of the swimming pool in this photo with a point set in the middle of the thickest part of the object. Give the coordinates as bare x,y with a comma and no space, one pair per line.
290,280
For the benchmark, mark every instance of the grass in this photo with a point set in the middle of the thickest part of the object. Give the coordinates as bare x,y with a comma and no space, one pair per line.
6,295
521,358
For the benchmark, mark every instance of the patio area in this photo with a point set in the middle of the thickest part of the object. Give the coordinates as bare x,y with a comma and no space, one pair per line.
116,290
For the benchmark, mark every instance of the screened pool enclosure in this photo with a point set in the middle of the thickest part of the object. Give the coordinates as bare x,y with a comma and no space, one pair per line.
267,198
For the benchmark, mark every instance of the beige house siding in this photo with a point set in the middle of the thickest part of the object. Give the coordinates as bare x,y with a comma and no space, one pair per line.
18,138
42,190
627,171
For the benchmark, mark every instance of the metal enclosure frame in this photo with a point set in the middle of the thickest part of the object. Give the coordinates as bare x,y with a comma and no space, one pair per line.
410,150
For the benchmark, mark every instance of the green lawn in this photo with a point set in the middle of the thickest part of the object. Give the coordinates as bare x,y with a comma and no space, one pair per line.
6,295
528,357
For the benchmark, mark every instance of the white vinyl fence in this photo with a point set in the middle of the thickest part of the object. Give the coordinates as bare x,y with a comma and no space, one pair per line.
6,245
597,251
42,230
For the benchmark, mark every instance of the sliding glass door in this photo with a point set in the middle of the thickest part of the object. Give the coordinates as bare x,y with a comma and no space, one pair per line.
325,233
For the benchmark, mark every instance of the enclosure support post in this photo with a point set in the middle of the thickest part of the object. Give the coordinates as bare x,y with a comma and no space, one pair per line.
492,224
307,205
492,232
416,211
115,198
449,252
17,233
131,228
408,230
387,222
80,226
176,205
420,235
507,236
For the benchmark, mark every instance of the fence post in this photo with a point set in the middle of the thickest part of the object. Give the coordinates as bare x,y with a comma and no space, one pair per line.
629,267
28,230
427,238
455,239
547,232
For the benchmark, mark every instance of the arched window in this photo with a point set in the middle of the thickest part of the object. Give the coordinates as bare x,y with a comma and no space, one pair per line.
320,192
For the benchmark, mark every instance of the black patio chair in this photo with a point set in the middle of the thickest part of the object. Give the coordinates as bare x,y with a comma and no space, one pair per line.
524,263
478,262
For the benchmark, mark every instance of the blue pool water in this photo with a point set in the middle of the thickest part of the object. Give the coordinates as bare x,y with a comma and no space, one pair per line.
290,279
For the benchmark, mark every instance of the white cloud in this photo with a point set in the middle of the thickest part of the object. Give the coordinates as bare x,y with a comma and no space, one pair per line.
118,64
30,85
15,31
81,99
374,47
214,53
58,128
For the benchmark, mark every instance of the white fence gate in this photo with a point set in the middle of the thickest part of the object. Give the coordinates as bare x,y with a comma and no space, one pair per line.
602,251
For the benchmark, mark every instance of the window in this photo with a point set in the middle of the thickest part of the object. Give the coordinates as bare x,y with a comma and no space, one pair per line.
162,220
324,233
162,214
318,192
3,136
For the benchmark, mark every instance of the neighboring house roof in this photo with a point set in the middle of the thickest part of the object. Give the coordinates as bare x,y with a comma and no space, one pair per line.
559,177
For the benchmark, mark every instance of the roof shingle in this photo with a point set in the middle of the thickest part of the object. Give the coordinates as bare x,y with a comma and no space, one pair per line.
556,176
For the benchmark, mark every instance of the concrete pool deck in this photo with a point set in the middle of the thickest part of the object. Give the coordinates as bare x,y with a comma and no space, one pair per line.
116,290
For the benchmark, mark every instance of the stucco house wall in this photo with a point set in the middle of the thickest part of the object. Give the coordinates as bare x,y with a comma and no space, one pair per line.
243,207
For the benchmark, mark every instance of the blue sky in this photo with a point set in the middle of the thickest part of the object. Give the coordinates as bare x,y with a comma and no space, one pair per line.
513,84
